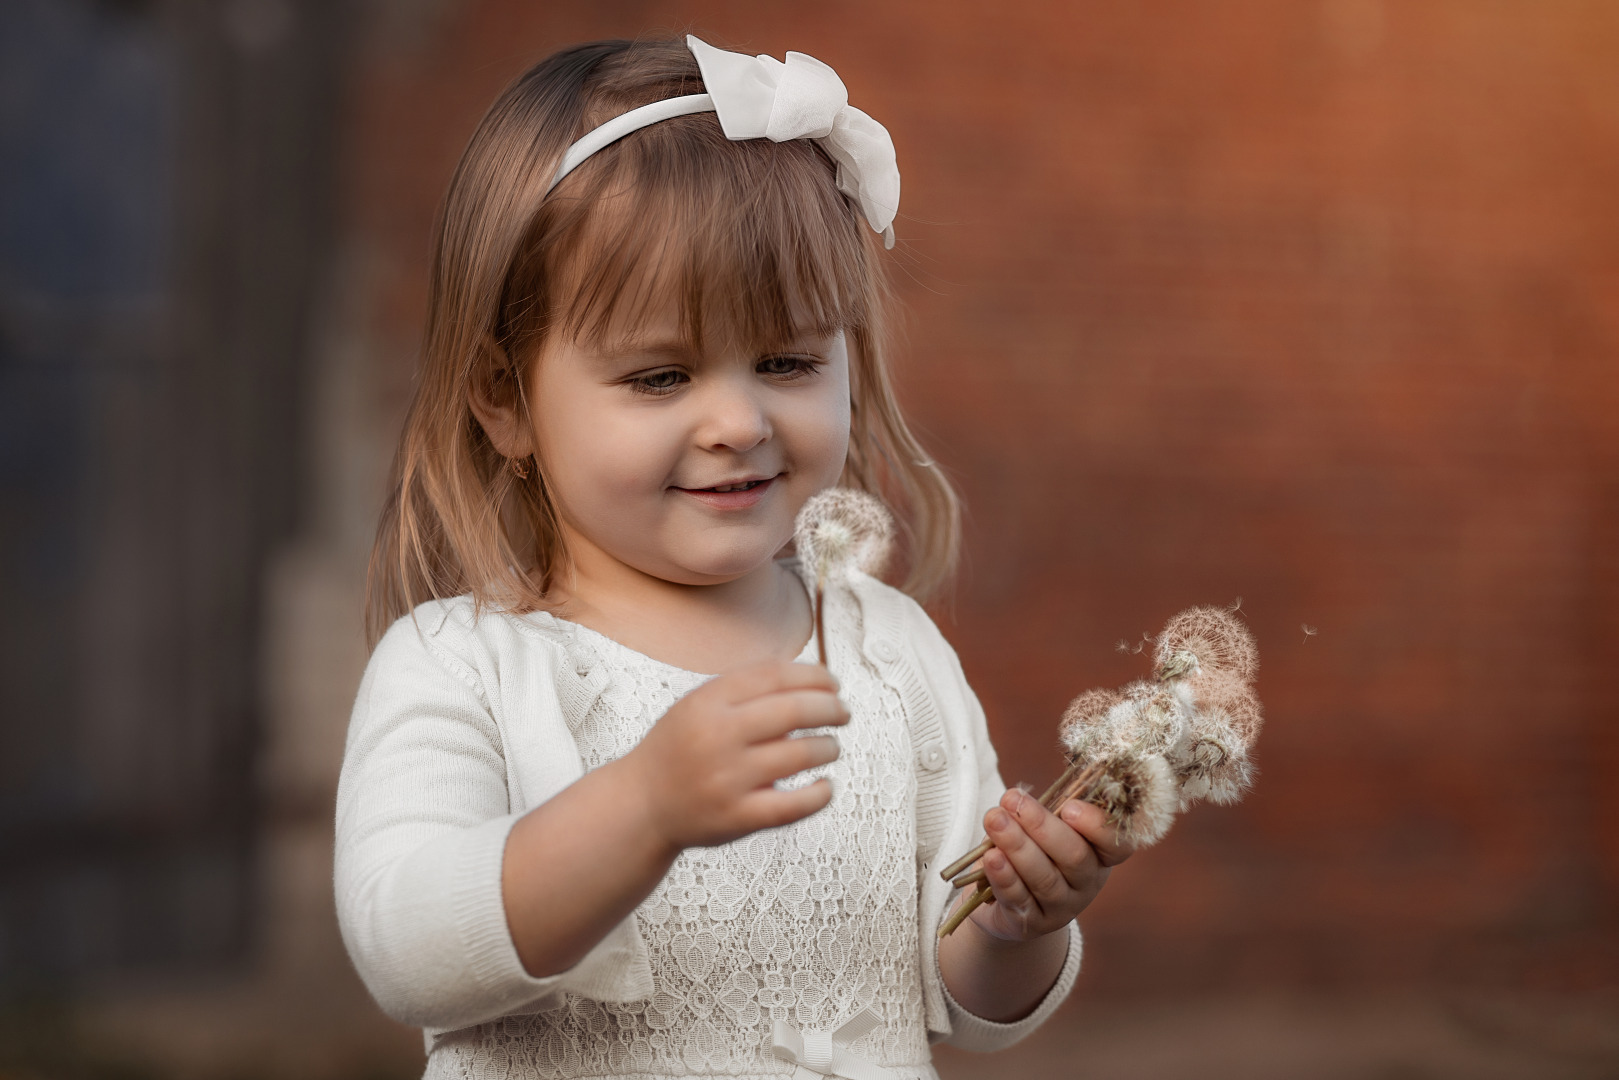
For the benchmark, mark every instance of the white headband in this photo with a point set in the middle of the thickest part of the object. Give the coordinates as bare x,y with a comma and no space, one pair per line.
759,97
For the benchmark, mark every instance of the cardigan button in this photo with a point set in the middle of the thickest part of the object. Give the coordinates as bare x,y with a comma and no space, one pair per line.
885,650
932,756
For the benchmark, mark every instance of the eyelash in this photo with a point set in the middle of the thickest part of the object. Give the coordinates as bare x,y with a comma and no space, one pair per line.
646,384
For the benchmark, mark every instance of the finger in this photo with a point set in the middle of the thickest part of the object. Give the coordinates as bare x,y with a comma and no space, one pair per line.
769,808
771,761
1090,822
770,677
1014,908
1070,853
1033,866
774,715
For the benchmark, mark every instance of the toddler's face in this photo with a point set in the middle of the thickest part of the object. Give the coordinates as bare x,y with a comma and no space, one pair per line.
688,466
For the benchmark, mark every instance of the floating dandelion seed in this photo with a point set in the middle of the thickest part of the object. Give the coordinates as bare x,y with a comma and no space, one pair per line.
837,531
1157,746
1309,631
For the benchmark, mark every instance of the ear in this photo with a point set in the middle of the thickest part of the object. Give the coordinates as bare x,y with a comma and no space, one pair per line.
494,393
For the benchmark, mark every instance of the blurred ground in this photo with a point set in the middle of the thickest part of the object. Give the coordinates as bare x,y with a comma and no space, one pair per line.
1331,1037
232,1034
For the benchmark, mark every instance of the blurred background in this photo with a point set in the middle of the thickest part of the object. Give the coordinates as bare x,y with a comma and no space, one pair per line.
1313,303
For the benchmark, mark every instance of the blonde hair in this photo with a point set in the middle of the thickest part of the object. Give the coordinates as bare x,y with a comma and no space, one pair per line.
753,241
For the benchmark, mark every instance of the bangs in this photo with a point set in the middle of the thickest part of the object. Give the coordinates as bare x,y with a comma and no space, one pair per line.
749,242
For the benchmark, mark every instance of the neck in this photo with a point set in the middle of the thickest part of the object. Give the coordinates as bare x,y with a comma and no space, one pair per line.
762,615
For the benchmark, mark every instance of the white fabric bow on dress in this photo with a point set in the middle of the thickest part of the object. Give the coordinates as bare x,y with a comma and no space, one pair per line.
819,1053
760,97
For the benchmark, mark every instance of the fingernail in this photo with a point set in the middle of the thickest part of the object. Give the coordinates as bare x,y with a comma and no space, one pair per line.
998,819
1013,801
1071,813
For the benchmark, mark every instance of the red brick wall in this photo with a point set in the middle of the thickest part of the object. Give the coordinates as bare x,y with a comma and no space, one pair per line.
1314,304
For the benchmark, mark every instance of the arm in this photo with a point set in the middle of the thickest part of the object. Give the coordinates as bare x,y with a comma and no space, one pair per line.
1046,868
703,776
443,936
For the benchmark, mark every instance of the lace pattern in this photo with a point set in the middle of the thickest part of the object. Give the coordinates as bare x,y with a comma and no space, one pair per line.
810,923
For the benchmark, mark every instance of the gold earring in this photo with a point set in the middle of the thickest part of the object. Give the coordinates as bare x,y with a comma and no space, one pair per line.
519,467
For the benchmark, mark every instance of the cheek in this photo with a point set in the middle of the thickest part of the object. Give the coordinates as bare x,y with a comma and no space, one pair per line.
597,457
828,430
823,442
813,427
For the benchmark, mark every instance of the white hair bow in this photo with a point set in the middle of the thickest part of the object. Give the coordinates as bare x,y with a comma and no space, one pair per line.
760,97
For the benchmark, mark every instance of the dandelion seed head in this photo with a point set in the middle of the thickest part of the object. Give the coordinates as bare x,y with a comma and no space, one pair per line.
841,529
1212,763
1084,727
1213,638
1152,718
1138,794
1231,700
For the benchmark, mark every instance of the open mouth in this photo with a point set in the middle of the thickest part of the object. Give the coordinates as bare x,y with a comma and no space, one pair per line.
746,485
740,495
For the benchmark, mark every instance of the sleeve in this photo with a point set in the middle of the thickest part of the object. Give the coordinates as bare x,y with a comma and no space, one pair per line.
422,819
970,1031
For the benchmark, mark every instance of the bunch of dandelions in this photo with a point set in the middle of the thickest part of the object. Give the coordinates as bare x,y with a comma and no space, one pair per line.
1157,746
839,530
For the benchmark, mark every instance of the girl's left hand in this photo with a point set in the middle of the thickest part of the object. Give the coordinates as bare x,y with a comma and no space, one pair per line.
1046,868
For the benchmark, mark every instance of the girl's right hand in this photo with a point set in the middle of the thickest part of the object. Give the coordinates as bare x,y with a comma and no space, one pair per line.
707,769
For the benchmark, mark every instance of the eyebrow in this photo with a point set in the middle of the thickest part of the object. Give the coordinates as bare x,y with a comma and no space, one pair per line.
630,348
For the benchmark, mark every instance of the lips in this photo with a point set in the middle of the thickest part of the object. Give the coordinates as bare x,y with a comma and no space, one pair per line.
738,494
745,485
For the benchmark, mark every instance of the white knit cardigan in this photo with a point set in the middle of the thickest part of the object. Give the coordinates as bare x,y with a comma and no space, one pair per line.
461,726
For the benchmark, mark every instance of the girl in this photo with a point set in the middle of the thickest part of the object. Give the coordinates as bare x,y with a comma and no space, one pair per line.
655,329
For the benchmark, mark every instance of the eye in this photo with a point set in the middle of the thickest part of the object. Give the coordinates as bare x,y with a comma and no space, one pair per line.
788,367
658,382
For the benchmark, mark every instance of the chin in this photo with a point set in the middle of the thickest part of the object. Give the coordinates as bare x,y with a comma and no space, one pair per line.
718,567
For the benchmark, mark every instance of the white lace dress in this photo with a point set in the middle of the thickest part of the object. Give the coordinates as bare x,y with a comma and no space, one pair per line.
810,924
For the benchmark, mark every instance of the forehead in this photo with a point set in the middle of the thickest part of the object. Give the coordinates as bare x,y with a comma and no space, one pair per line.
706,258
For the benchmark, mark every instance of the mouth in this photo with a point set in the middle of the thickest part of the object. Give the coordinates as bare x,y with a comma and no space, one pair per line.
733,495
744,485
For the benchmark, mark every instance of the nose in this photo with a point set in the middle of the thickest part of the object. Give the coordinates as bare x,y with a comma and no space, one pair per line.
732,417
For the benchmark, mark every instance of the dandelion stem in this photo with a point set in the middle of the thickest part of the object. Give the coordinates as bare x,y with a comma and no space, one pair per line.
1080,789
971,877
820,616
1058,784
966,860
1045,800
967,907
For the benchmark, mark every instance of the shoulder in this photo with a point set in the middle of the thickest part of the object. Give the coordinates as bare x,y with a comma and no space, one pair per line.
452,621
466,637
